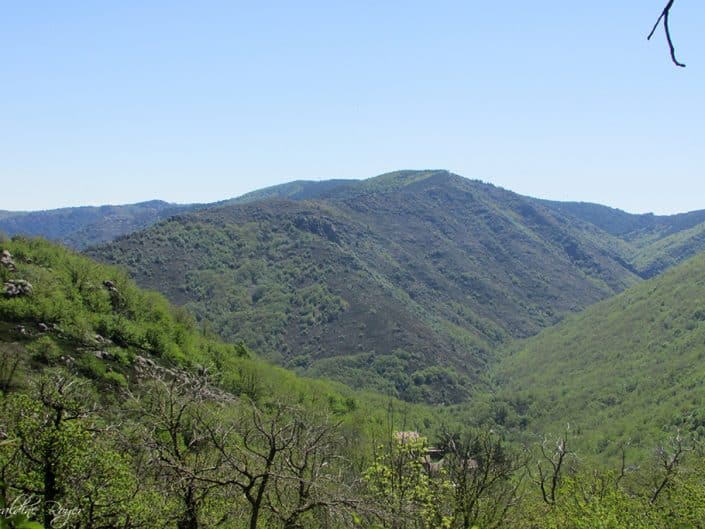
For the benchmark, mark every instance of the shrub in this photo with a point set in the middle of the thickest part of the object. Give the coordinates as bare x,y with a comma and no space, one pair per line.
44,350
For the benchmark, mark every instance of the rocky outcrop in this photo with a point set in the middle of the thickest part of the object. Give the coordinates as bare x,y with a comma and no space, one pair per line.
317,226
17,287
199,385
7,262
110,286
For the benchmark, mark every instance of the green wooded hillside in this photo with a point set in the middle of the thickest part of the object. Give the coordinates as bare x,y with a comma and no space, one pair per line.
92,318
627,369
403,283
111,400
654,242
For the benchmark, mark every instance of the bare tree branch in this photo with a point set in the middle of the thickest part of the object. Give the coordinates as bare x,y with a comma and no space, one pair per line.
550,467
664,16
670,461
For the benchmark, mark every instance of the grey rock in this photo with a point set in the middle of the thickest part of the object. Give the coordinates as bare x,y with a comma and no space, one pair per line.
6,261
110,286
104,355
17,287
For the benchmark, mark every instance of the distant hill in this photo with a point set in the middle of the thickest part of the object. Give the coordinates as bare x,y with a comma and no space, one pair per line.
85,226
81,227
630,368
657,242
404,283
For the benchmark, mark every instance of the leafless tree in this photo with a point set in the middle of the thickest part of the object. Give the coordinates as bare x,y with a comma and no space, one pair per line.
283,462
309,477
551,465
669,461
178,444
485,478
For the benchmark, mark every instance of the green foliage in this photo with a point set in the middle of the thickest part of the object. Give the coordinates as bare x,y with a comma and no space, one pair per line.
407,495
653,243
605,499
82,301
625,370
45,350
57,458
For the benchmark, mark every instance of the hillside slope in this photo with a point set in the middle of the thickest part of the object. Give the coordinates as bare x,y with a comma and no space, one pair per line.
403,283
81,227
629,368
647,244
62,310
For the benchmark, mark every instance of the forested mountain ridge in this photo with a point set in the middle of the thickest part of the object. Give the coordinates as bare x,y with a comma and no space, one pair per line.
403,283
650,243
627,225
296,190
87,225
84,226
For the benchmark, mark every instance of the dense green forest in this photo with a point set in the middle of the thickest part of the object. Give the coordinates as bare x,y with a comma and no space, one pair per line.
405,284
119,410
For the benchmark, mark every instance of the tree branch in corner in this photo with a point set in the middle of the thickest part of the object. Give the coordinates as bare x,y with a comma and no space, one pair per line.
664,16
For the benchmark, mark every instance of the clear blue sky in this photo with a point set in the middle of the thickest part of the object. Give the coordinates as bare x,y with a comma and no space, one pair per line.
116,102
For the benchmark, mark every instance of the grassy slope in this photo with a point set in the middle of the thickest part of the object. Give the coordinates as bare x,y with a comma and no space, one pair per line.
402,283
629,368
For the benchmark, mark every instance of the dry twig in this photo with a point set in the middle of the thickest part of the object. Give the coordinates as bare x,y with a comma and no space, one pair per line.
664,16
